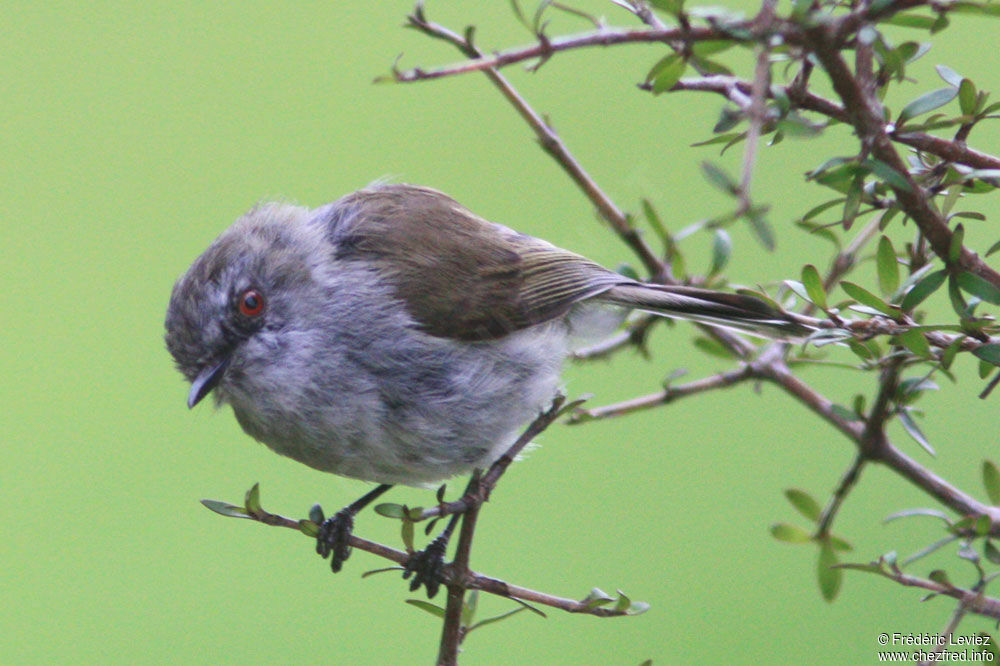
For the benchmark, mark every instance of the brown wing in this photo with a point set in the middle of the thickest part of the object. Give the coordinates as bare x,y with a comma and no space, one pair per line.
461,276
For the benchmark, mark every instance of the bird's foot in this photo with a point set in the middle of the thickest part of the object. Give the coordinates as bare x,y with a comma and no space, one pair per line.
427,566
334,538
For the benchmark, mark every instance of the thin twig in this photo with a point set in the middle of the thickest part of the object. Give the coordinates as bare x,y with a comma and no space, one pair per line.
847,483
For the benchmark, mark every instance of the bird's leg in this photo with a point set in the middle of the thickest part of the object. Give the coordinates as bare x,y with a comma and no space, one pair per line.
427,565
335,532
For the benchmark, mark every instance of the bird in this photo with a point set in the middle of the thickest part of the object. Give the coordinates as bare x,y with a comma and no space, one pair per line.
396,337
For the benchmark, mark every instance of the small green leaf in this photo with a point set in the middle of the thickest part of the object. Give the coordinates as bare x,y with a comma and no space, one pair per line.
991,552
390,510
915,341
967,97
252,500
469,608
922,289
852,203
804,503
309,528
830,577
888,266
865,297
927,102
813,284
844,412
950,76
939,576
713,348
911,427
761,228
433,609
597,597
225,508
722,248
948,355
887,174
983,289
991,481
839,544
955,249
989,353
623,602
790,533
719,178
667,73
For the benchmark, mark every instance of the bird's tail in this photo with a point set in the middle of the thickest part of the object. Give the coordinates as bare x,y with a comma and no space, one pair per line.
743,313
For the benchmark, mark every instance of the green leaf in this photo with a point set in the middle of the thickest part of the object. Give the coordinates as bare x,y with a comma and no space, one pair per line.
852,203
722,248
948,355
989,353
309,528
790,533
666,73
950,76
844,412
915,341
433,609
991,552
830,577
924,288
719,178
252,500
927,102
955,249
496,618
813,285
888,266
804,503
673,7
761,228
940,576
225,508
865,297
887,174
597,597
967,97
983,289
991,481
713,348
813,212
908,20
390,510
911,427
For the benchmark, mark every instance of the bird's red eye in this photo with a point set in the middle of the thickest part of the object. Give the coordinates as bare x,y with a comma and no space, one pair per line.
251,303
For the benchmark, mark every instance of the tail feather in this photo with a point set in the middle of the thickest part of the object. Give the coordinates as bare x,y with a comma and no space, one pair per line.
743,313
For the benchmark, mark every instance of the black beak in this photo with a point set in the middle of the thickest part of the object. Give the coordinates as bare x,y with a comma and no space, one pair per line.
206,380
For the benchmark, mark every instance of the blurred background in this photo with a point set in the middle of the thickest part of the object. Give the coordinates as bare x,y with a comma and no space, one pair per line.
131,135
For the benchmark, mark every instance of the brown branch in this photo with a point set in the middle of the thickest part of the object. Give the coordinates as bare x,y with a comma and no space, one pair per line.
865,114
558,150
452,632
972,601
738,91
665,397
544,49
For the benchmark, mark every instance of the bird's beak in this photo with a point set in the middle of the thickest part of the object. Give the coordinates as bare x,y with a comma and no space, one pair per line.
206,380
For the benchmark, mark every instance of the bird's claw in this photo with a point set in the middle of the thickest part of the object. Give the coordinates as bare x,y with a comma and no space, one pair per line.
427,566
334,538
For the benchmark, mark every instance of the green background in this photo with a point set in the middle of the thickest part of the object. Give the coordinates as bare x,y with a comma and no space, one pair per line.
130,137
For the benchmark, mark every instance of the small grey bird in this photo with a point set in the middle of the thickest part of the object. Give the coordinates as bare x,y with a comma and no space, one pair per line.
396,337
